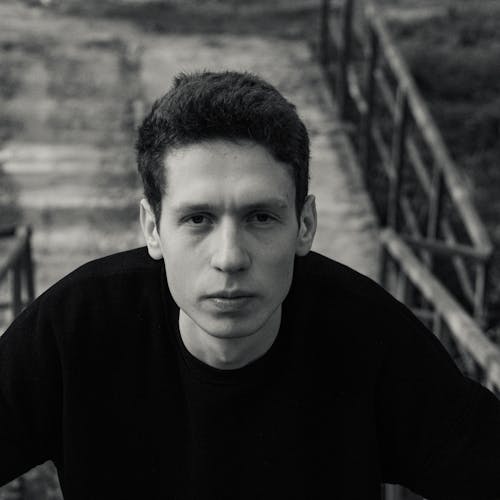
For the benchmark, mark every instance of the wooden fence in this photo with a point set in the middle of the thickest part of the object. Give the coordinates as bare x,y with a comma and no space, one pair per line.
435,249
16,268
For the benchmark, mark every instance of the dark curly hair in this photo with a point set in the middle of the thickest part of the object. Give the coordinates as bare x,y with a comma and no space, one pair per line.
227,105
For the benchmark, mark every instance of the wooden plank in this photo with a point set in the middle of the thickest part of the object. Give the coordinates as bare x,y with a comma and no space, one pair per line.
344,58
12,253
382,149
398,159
435,203
29,267
409,217
418,165
385,91
324,32
480,292
442,248
355,91
423,314
458,263
462,326
17,303
371,66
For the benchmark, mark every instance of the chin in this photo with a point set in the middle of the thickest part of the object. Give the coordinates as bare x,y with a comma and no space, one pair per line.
231,328
230,331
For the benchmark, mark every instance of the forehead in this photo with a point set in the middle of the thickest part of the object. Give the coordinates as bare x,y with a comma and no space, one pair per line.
226,172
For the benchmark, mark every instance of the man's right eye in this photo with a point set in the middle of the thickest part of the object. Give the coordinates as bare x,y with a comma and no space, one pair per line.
197,220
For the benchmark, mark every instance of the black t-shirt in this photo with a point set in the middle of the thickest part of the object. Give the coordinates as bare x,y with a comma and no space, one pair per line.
354,391
244,426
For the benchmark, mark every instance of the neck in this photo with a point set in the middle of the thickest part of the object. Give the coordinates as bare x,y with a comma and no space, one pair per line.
228,353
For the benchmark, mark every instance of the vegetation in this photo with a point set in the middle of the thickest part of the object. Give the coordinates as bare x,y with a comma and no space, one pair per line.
282,18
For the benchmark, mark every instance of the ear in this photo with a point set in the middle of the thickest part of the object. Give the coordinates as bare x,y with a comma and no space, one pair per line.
307,227
150,231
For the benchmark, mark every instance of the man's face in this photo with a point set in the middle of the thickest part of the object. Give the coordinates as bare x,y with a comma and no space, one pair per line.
228,235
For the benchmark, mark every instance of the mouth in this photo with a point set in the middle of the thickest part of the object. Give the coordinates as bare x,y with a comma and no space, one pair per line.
227,302
230,295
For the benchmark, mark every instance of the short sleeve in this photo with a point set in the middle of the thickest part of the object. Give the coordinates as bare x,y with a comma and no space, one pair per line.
439,432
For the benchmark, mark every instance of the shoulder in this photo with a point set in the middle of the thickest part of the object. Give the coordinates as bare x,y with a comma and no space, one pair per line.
328,279
353,315
110,287
129,266
334,287
125,263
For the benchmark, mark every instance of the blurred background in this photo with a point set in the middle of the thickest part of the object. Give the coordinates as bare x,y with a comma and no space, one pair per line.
77,76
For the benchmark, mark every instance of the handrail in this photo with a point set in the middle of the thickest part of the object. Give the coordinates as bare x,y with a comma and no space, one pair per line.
16,261
463,327
363,67
429,131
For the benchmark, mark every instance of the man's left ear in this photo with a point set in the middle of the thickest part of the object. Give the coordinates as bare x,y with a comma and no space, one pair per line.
307,227
150,230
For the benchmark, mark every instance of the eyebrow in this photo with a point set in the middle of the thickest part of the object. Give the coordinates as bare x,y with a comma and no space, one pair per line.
275,203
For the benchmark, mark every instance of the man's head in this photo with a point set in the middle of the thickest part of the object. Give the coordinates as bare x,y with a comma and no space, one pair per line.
235,210
229,105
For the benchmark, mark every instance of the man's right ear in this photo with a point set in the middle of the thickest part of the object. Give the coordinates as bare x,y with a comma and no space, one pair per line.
150,231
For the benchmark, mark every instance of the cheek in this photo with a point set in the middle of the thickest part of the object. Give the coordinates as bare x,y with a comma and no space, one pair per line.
279,266
181,270
281,251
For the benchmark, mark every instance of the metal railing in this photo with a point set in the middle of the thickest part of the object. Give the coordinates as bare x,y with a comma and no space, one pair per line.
16,268
435,248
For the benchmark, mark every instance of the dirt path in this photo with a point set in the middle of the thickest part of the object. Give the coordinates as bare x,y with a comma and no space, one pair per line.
71,159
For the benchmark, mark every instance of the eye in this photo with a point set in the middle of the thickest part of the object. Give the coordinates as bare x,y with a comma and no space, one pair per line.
197,220
262,218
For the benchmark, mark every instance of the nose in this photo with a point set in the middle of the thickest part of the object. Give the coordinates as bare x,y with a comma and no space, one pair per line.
229,253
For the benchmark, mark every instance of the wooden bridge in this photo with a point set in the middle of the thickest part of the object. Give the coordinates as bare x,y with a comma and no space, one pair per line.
391,202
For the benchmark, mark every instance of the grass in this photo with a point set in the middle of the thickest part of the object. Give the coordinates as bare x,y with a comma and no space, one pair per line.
286,19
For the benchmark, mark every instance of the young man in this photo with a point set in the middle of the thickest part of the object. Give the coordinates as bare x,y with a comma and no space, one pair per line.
231,362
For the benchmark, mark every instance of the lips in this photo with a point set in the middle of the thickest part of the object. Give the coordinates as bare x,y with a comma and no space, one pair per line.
233,301
234,294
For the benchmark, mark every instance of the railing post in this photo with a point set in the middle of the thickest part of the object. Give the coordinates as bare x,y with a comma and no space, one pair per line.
398,159
382,274
344,58
17,303
435,209
324,33
480,293
371,66
29,267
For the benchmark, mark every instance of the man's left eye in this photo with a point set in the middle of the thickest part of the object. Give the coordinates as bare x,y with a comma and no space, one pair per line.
262,218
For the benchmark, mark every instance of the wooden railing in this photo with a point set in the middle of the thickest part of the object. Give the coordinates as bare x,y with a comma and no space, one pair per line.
417,188
16,268
435,249
449,320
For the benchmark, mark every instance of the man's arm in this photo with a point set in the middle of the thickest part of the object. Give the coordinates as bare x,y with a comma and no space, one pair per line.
439,431
30,394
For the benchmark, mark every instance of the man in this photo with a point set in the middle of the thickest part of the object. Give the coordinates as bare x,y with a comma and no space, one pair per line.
231,362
